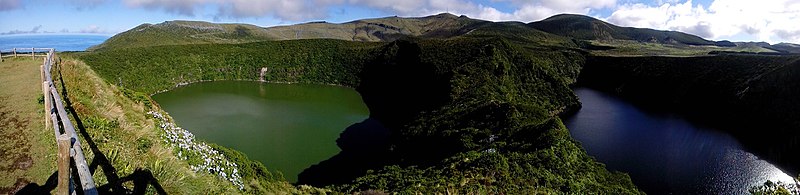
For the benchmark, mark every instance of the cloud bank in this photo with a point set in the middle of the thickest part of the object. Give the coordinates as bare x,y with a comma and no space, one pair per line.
765,20
7,5
34,30
304,10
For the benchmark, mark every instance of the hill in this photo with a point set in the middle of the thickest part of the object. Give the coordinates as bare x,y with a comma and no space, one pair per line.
785,48
370,30
588,28
473,114
472,106
441,26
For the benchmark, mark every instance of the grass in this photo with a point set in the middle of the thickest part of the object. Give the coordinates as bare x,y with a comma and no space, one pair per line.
124,141
442,99
636,48
121,141
27,149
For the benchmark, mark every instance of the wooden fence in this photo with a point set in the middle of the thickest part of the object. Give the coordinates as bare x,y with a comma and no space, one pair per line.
69,148
24,52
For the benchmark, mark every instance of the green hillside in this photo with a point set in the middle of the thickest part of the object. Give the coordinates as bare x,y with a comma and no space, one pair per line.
440,26
588,28
494,103
473,106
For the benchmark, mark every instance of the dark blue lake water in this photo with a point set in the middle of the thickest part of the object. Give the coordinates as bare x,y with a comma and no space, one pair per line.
74,42
664,153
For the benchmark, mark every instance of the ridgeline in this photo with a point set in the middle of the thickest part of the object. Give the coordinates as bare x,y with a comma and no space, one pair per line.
471,106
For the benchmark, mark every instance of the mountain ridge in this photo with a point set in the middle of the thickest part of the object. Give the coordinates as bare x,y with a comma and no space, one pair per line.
562,30
589,28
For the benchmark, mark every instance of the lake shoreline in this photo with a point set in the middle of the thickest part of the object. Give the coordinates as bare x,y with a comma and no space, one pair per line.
608,125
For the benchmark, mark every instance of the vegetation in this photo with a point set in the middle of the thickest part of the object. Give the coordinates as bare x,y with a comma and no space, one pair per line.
635,48
588,28
153,69
27,149
739,93
776,188
494,102
471,106
440,26
126,147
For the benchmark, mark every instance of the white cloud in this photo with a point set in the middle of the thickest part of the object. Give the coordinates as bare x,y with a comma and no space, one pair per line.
34,30
93,29
86,4
763,20
301,10
291,10
185,7
528,11
766,20
7,5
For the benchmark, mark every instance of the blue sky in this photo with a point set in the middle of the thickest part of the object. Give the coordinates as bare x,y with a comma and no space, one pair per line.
738,20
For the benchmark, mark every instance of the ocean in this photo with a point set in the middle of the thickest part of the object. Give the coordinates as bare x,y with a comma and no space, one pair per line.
61,42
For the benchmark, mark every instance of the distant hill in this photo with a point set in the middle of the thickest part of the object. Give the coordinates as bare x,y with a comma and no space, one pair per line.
371,30
785,47
564,30
378,29
441,26
588,28
183,32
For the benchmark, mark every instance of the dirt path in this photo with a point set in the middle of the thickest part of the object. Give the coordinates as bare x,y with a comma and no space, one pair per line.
27,149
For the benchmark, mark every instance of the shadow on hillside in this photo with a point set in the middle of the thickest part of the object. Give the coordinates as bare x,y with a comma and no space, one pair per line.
364,146
396,87
754,120
34,188
141,177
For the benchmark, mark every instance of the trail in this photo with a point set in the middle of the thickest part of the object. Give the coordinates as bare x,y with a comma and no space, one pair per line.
26,147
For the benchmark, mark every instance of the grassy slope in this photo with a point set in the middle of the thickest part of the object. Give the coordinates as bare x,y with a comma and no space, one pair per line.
122,141
378,29
465,90
27,149
370,30
588,28
635,48
495,129
119,137
150,70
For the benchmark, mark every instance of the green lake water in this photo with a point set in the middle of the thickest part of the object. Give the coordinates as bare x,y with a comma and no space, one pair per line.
288,127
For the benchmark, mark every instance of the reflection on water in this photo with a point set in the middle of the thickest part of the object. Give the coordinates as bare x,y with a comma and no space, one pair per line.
288,127
663,153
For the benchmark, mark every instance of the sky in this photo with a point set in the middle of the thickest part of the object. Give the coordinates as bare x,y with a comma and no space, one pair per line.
772,21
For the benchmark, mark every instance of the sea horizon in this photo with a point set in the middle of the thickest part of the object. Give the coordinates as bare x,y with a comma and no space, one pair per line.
59,41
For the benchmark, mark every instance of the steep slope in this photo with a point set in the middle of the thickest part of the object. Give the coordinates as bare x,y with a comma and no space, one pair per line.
183,32
475,115
441,26
379,29
785,48
371,30
588,28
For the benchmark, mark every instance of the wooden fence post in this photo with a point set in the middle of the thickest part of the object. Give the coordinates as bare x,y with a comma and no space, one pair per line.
33,55
47,103
64,143
15,52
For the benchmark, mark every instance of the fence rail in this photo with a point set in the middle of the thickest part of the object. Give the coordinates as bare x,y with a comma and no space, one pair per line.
24,52
69,148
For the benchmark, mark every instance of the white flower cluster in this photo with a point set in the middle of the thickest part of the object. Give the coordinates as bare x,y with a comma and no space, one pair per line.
212,160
